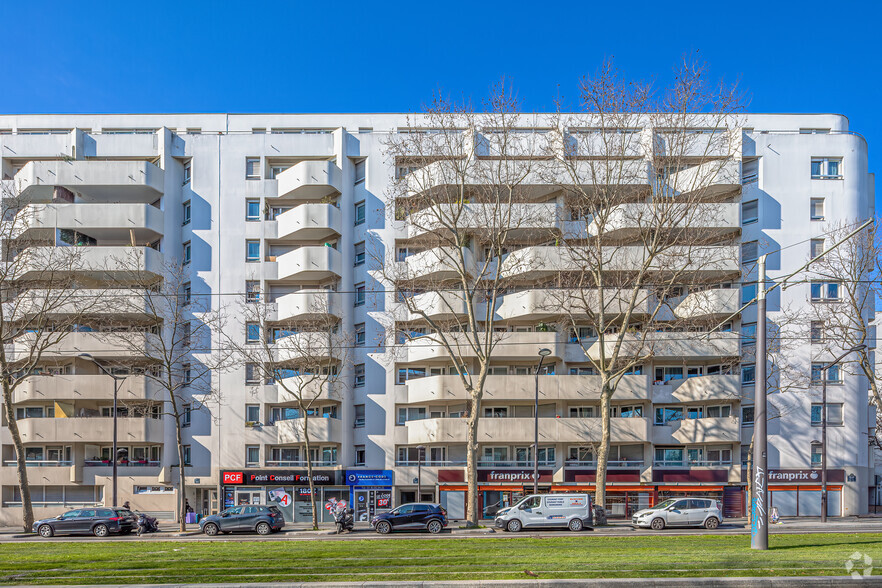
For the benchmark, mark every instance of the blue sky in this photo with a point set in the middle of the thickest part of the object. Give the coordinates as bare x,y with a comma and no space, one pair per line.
345,56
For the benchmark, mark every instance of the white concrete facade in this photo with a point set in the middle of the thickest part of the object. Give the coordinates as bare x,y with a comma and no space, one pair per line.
305,165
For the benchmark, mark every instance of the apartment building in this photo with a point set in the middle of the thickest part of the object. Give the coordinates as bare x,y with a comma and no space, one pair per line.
288,210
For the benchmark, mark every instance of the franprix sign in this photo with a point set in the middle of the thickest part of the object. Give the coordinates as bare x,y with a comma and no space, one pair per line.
804,476
503,476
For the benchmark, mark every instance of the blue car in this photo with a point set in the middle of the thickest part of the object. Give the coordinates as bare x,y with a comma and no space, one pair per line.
411,517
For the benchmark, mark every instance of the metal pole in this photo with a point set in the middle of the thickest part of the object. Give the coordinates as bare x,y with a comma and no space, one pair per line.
115,456
536,430
419,475
824,445
759,520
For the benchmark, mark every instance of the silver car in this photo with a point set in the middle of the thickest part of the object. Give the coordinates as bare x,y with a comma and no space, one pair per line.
680,512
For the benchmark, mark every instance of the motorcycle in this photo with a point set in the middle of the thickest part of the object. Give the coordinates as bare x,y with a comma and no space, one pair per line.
344,520
146,524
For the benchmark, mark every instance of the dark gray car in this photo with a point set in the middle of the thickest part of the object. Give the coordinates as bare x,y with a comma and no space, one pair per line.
259,518
96,521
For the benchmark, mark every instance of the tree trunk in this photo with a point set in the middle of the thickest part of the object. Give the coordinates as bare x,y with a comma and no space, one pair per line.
27,509
309,469
472,464
182,478
603,450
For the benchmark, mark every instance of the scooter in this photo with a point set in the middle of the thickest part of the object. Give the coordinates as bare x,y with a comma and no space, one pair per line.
146,524
344,519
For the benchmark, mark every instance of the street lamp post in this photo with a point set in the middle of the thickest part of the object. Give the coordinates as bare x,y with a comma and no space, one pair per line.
824,369
116,381
420,450
543,353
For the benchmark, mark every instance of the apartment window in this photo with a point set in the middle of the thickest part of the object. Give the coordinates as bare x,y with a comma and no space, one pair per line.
188,172
186,292
252,168
749,251
816,247
817,209
252,210
252,455
359,335
719,412
359,375
748,293
826,168
252,374
186,330
187,252
186,416
252,291
187,373
746,416
252,413
360,170
748,334
186,453
359,294
359,253
252,250
252,333
834,414
359,415
816,455
359,455
821,291
833,374
749,171
187,213
817,331
359,212
749,212
748,373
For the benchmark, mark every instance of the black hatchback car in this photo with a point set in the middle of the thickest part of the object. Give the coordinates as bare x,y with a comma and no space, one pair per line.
411,517
97,521
263,519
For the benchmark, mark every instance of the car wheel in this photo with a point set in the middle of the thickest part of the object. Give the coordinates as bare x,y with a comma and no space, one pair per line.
99,530
384,528
575,525
513,525
434,527
210,529
711,523
262,529
45,531
657,524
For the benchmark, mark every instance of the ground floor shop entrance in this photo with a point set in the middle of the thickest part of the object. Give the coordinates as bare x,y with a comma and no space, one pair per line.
370,492
289,490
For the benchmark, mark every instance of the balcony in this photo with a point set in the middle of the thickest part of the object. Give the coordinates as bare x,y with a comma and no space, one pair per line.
312,263
605,145
448,177
309,347
26,146
699,389
543,304
444,305
121,303
317,387
307,304
520,430
307,222
104,222
106,181
508,346
680,345
439,263
520,220
719,303
434,389
116,145
707,181
115,264
310,180
628,221
692,431
710,143
85,387
98,430
108,346
321,430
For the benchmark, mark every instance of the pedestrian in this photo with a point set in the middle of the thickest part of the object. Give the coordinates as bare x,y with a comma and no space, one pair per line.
126,505
187,508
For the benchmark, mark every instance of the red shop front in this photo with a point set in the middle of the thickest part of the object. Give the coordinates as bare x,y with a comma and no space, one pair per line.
497,488
624,493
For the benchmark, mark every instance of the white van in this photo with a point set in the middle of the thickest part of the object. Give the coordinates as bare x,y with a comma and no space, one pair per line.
571,511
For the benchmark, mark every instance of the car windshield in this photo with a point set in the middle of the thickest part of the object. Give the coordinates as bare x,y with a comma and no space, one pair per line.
665,504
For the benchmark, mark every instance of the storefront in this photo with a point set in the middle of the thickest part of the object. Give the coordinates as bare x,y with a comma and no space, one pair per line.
287,489
497,488
624,494
369,491
798,492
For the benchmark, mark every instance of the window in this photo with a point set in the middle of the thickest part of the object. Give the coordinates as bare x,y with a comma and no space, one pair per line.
834,414
746,416
186,330
360,169
252,250
749,212
826,168
411,414
252,413
359,253
186,373
252,291
186,292
816,247
359,415
665,374
187,252
188,172
816,454
748,293
833,373
252,333
817,209
669,456
749,251
359,455
359,334
186,452
748,335
581,412
359,212
359,294
667,414
252,375
252,210
252,168
252,455
186,417
718,412
748,373
817,331
359,376
821,291
405,374
187,213
749,171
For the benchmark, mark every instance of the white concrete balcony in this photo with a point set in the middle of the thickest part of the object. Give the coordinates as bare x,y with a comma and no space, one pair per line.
311,263
720,303
309,347
434,389
28,146
117,222
543,304
321,430
449,177
628,221
91,430
711,179
113,181
439,306
691,431
439,263
520,430
518,219
702,388
310,180
307,304
99,263
715,142
680,345
86,387
308,387
108,346
507,346
121,303
117,145
513,144
612,143
308,222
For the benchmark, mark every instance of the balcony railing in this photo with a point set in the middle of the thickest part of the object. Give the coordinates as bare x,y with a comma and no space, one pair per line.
106,463
298,464
690,464
515,464
40,463
612,464
429,463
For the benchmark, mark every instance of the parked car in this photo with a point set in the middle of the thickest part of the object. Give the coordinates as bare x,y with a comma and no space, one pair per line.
97,521
680,512
262,519
571,511
411,517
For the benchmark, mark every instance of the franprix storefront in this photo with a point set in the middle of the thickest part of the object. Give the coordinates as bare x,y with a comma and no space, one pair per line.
287,489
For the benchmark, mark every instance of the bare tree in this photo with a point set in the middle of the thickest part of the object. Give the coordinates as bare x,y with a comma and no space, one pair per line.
297,345
650,183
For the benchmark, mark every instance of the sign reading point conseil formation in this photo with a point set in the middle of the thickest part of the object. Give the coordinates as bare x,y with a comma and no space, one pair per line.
294,477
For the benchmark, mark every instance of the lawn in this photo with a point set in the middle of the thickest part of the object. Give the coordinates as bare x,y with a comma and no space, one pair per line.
73,562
